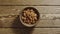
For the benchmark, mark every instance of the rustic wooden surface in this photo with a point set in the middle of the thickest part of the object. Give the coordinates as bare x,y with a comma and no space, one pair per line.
10,13
15,10
9,16
29,31
29,2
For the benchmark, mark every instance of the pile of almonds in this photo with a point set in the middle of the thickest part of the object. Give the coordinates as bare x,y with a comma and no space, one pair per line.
29,16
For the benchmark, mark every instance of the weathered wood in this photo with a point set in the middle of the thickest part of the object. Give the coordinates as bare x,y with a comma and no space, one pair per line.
29,31
7,20
9,16
15,10
15,22
8,10
29,2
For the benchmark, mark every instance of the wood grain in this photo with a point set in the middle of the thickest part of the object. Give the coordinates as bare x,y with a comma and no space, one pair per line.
15,10
9,16
15,22
29,31
29,2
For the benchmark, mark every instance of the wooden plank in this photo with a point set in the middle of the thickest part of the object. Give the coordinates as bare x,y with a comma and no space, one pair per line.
29,31
29,2
15,22
7,22
8,10
15,10
46,9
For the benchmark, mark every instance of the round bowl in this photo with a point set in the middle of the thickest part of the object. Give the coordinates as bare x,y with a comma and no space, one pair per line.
29,25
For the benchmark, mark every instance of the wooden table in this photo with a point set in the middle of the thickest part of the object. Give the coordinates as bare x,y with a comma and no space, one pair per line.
48,9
